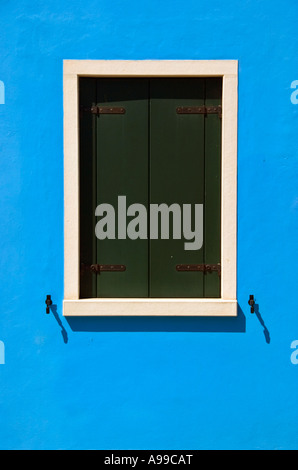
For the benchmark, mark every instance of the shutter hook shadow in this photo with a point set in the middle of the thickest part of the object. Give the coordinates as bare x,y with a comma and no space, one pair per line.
259,317
53,308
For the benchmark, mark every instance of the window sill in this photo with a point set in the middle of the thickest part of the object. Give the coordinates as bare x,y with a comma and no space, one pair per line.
223,307
150,307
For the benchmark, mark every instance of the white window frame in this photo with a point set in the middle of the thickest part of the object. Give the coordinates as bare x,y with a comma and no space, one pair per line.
226,305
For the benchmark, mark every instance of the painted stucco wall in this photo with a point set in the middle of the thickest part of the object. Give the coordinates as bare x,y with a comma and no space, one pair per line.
147,383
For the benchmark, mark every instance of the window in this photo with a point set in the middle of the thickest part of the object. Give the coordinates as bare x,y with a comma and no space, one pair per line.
150,133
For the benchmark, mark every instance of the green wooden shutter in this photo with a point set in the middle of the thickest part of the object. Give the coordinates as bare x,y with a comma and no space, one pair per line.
176,176
212,201
122,170
152,155
121,142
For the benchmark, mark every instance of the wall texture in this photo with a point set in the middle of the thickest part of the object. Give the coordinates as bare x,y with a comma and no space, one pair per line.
143,383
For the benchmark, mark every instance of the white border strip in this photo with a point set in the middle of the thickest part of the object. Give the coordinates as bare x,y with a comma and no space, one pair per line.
226,305
150,307
150,68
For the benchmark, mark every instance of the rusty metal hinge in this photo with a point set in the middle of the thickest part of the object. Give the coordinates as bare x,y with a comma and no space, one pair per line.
103,109
199,110
204,268
98,268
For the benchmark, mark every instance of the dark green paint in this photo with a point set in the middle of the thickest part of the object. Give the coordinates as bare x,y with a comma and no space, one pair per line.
122,170
176,176
151,155
212,202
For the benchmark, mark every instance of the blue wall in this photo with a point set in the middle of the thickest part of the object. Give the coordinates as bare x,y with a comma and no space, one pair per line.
142,383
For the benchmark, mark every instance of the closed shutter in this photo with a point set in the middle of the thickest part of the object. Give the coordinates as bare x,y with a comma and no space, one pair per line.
140,146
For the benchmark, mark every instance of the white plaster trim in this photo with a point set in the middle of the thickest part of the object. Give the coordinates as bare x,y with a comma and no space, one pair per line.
227,304
150,307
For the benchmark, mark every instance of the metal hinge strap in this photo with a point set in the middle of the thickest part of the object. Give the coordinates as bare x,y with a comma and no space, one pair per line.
103,109
199,110
204,268
98,268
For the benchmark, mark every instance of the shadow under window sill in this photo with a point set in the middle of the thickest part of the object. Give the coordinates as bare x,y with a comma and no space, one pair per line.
160,324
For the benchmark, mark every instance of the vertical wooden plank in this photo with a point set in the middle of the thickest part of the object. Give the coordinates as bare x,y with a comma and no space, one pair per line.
122,170
176,176
212,217
87,93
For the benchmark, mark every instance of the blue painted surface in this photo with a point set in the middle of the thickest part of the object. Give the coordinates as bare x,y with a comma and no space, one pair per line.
147,383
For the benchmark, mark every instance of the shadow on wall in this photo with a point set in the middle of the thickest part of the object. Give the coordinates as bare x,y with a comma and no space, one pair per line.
53,308
166,324
259,317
